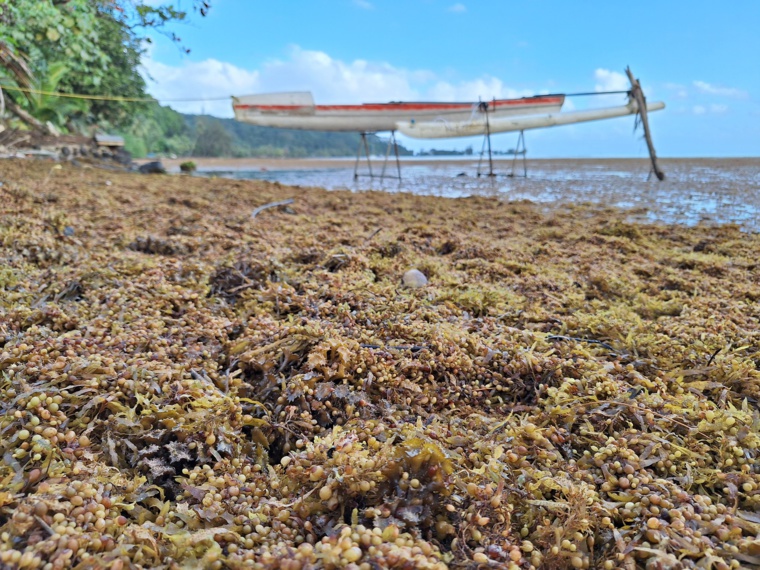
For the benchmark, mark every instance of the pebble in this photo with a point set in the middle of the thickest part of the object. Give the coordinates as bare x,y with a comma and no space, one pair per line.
414,279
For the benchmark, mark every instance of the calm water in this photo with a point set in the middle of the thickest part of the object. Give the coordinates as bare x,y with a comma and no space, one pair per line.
695,190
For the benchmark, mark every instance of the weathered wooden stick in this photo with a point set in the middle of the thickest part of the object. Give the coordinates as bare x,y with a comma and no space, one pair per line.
638,95
578,339
373,234
260,209
24,116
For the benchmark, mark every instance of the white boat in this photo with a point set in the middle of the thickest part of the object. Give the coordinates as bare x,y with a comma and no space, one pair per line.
441,128
430,120
296,110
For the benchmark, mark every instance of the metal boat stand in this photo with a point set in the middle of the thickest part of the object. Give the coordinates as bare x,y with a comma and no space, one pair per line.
483,108
520,150
364,146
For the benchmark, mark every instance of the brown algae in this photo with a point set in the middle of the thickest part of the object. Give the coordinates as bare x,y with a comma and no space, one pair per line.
183,385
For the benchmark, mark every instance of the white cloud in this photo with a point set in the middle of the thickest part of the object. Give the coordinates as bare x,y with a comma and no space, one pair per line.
714,109
679,90
335,81
710,89
208,79
457,8
330,80
485,88
364,4
607,80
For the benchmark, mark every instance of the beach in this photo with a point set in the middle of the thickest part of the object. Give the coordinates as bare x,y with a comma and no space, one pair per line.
369,379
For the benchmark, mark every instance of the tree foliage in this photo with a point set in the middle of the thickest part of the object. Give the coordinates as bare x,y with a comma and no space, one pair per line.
212,139
45,31
120,77
49,108
101,42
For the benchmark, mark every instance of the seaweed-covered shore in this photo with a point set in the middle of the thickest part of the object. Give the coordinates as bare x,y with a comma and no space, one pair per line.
183,385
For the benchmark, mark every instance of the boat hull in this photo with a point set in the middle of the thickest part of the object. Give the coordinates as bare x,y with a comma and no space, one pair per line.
298,111
446,129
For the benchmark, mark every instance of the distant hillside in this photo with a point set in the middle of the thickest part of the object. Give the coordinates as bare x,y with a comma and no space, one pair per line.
163,131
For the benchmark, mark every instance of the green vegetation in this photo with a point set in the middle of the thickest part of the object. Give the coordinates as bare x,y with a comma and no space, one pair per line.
446,152
49,108
100,42
162,131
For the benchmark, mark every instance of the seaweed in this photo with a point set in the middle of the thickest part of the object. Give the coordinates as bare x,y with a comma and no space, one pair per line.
264,393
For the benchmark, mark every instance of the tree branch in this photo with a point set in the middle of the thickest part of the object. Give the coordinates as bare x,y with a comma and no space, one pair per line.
25,117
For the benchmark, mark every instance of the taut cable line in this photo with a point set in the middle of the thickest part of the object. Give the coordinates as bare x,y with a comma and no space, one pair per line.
200,99
110,97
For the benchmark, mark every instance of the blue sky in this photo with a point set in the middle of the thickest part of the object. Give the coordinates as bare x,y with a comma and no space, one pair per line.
701,59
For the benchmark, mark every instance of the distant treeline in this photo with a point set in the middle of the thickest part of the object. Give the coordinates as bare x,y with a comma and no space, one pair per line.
163,131
439,152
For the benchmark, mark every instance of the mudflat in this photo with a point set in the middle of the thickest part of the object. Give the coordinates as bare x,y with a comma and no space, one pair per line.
311,163
185,384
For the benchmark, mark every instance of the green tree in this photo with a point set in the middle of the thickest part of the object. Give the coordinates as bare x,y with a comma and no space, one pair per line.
120,77
212,139
99,39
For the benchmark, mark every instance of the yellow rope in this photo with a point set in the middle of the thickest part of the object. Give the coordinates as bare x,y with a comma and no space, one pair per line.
103,97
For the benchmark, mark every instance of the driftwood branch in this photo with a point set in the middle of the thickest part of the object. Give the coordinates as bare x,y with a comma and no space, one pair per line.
638,95
24,116
373,234
16,65
578,339
260,209
413,348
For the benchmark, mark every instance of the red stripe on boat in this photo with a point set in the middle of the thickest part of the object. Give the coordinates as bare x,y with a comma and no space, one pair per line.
409,106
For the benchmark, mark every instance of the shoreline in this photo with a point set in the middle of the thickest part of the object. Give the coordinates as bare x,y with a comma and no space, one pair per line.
207,163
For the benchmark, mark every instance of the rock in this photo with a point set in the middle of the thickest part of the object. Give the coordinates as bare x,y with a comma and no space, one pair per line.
154,167
414,279
123,157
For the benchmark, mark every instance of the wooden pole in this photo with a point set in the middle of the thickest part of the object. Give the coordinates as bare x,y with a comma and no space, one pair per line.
638,95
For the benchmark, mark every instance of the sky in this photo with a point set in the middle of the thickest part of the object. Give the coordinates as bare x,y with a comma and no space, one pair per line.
702,60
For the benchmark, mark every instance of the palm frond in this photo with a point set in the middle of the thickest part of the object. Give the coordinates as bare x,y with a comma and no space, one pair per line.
15,65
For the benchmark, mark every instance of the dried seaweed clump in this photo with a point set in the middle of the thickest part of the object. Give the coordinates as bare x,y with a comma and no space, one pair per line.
266,394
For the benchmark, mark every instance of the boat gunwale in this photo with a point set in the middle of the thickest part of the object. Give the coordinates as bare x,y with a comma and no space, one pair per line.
541,100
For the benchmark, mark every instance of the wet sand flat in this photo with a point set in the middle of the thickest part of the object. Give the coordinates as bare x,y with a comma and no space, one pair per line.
694,191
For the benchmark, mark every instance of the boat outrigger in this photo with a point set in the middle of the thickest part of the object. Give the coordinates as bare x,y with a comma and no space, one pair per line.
297,110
